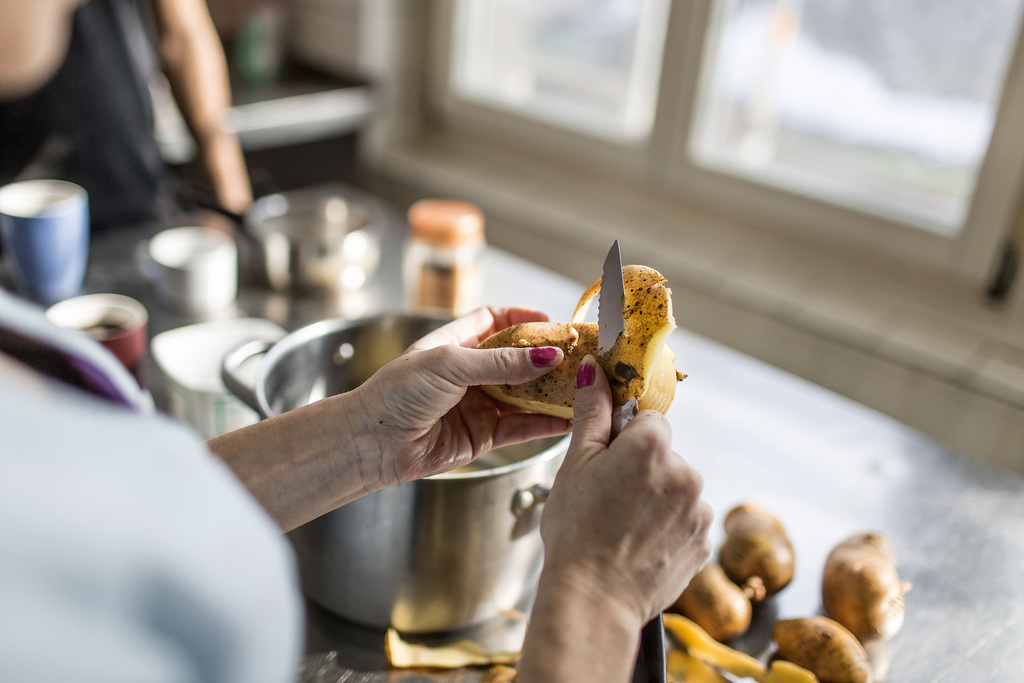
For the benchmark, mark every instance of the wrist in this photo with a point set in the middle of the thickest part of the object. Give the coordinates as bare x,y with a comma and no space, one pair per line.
588,591
579,631
368,433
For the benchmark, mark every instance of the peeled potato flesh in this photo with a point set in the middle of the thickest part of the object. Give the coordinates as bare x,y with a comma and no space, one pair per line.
638,366
861,588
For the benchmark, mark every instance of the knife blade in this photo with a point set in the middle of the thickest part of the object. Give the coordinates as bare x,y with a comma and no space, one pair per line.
611,324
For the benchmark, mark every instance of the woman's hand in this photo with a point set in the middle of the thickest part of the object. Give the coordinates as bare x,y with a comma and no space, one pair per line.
428,411
624,531
626,516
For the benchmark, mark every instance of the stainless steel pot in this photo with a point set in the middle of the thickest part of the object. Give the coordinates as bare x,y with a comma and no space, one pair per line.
325,237
438,554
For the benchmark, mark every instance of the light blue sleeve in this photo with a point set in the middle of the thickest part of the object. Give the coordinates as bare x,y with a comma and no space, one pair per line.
128,553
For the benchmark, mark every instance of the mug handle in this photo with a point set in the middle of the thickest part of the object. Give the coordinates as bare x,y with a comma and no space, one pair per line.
231,375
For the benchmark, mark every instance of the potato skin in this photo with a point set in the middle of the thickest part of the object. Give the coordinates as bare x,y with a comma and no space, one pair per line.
825,648
756,554
555,392
861,588
715,604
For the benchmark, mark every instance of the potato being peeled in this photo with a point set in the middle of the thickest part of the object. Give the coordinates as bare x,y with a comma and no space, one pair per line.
639,366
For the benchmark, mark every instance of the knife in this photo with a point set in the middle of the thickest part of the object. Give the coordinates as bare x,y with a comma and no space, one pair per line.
650,664
611,325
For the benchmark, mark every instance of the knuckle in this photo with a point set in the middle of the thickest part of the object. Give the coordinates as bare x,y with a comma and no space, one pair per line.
508,360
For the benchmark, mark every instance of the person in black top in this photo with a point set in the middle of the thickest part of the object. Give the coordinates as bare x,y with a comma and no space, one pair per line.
92,122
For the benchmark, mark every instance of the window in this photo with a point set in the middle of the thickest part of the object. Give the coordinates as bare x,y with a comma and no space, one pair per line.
883,106
886,124
587,64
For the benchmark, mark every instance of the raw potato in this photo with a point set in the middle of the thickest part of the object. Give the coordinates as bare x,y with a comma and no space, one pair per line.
861,589
756,554
825,648
715,603
638,366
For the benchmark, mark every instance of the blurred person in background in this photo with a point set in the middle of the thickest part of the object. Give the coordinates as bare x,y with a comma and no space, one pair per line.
91,120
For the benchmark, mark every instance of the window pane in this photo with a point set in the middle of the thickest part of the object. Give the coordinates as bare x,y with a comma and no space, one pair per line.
883,105
588,65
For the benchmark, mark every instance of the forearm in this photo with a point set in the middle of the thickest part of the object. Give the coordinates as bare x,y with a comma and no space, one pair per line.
578,634
194,62
306,462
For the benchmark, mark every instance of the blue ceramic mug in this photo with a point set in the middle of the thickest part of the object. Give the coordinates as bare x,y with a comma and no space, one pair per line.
44,225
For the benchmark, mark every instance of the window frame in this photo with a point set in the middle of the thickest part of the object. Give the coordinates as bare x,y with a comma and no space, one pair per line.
662,163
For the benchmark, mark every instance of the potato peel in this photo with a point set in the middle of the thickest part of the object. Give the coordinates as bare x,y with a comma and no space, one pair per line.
404,655
698,644
682,667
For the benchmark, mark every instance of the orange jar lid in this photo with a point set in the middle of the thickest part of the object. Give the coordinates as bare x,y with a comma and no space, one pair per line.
446,222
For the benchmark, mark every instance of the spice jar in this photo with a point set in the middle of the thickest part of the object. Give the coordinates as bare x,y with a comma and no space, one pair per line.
442,256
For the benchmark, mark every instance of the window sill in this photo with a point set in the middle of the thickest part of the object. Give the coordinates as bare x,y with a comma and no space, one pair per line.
930,356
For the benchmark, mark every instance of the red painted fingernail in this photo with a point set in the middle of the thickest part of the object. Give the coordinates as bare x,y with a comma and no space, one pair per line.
586,373
544,356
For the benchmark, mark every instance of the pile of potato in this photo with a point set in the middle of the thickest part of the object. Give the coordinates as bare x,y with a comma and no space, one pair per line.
862,596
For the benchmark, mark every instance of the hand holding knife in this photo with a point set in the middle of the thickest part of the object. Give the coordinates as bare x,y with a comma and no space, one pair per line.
610,321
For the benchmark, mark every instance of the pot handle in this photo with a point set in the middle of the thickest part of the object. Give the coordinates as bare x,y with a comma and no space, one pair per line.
524,500
231,375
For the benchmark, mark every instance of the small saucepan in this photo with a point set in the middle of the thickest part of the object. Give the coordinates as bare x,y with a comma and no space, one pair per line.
320,239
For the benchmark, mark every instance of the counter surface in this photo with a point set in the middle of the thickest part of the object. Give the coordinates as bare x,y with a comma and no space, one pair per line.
827,467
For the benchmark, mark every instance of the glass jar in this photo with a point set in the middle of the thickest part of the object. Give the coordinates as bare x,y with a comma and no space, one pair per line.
441,270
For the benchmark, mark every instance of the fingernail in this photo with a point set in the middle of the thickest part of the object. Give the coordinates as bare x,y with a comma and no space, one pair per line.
544,356
586,373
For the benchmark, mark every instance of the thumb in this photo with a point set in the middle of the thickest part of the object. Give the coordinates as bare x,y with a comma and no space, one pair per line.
505,365
592,413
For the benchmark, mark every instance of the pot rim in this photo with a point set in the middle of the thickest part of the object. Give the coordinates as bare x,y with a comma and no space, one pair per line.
553,451
266,208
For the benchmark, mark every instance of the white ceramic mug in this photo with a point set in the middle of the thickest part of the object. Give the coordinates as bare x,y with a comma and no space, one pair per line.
194,269
190,359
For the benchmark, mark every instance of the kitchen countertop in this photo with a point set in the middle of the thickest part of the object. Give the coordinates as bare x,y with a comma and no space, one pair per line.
827,467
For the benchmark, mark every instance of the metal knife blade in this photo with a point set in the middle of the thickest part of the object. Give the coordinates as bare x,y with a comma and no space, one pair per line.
610,324
609,303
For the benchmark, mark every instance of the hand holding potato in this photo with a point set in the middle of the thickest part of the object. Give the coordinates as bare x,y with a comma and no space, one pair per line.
421,414
624,530
427,410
